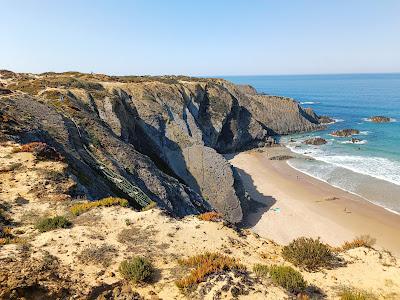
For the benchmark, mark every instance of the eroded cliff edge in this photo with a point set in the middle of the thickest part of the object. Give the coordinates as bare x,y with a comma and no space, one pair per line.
165,135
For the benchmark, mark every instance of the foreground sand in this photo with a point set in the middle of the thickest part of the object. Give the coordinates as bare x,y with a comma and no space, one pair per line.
82,262
300,205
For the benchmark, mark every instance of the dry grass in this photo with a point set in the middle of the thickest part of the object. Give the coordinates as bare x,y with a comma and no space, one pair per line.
41,150
310,254
99,255
56,222
204,265
149,206
360,241
80,208
211,216
348,293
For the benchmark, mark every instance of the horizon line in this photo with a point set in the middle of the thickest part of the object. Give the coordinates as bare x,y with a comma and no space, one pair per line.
215,76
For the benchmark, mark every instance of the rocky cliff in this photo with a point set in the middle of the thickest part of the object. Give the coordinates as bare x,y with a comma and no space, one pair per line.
163,136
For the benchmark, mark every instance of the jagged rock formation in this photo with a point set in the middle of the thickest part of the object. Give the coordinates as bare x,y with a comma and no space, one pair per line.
345,132
380,119
164,134
317,141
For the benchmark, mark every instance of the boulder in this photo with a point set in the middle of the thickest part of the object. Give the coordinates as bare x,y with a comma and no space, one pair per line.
345,132
317,141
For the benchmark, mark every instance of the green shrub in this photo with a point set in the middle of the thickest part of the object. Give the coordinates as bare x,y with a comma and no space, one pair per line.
48,224
137,269
310,254
80,208
288,278
347,293
261,270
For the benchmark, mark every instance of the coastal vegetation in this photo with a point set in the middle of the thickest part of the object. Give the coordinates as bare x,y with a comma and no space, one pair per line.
136,270
205,264
80,208
288,278
47,224
308,253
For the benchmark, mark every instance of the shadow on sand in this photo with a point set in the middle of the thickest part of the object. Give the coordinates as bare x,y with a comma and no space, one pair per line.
259,203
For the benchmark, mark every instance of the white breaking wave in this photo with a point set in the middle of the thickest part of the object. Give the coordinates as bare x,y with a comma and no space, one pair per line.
366,132
341,187
356,142
309,102
369,120
378,167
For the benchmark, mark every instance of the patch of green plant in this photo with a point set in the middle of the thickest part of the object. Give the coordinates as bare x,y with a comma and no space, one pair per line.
136,269
48,224
310,254
80,208
260,270
288,278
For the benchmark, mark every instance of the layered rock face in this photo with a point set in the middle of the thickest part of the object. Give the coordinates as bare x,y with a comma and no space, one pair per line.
164,134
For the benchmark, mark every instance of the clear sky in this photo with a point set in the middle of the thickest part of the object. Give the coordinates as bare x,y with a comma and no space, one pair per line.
203,37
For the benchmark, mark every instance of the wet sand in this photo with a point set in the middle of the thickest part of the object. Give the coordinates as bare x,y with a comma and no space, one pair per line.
296,204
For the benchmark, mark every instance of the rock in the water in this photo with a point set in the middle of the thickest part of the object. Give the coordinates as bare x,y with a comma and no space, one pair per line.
281,157
345,132
315,141
380,119
325,120
355,140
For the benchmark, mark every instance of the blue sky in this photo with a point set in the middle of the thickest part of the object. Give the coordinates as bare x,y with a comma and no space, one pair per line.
207,37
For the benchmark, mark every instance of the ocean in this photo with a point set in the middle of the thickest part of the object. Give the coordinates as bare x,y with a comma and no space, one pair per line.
369,168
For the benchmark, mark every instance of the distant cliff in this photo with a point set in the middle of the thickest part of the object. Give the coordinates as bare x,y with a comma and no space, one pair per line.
164,135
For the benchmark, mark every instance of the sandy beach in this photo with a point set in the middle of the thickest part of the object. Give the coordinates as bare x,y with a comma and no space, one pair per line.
296,204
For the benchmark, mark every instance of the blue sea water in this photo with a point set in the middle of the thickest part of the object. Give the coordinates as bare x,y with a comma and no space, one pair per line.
370,168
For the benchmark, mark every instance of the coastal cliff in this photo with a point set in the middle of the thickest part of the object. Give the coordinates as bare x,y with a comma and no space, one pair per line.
162,137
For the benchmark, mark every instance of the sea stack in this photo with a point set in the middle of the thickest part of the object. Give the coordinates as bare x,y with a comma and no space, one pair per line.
345,132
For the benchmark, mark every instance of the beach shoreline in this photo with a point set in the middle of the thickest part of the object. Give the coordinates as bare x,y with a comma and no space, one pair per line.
296,204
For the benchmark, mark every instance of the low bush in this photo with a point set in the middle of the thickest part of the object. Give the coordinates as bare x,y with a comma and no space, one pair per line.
260,270
149,206
348,293
310,254
99,255
360,241
204,265
136,270
211,216
288,278
80,208
48,224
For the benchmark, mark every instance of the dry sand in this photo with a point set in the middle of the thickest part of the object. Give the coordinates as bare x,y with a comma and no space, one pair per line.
163,240
300,205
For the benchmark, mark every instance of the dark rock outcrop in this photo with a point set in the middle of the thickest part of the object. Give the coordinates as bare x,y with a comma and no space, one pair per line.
315,141
345,132
325,120
380,119
163,134
356,141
